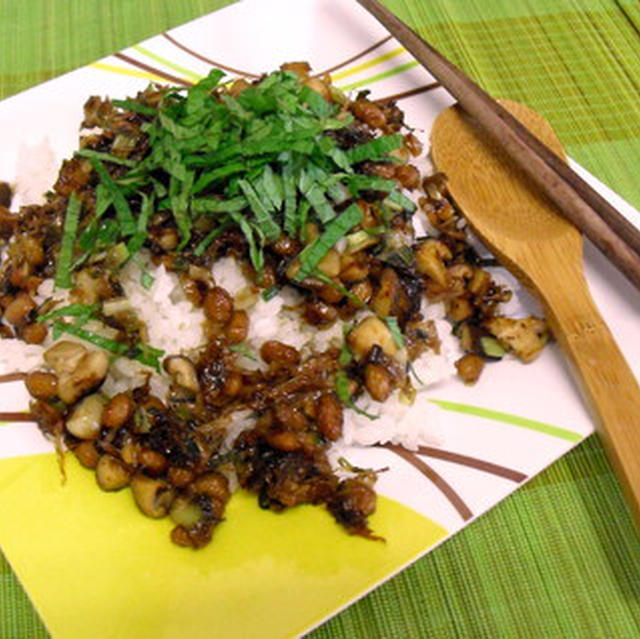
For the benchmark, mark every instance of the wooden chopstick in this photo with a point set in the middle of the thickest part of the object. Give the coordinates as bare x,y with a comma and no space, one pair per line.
607,228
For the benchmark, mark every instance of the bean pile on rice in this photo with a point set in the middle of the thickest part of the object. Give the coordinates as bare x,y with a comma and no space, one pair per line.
186,327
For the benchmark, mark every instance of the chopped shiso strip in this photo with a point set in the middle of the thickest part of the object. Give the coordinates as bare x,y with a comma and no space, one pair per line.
262,161
244,350
357,183
262,211
136,242
318,274
377,149
146,279
204,244
270,293
132,105
127,225
72,310
312,254
105,157
394,329
345,352
143,353
342,391
265,162
65,258
398,200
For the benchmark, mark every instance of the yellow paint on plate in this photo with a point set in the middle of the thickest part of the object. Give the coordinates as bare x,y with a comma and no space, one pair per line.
129,72
95,567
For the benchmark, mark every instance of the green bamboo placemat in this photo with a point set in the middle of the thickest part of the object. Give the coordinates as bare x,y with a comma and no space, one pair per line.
560,557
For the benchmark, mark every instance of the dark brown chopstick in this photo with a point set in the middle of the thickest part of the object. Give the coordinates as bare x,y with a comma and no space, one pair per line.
608,229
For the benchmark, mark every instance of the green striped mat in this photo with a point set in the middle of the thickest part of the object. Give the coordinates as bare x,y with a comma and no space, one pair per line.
560,558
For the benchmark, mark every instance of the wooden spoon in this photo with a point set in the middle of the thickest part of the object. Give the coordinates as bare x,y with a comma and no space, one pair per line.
544,251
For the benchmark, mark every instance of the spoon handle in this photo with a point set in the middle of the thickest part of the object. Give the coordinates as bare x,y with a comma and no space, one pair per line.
607,382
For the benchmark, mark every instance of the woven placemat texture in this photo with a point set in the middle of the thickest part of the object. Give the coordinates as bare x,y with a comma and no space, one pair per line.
559,558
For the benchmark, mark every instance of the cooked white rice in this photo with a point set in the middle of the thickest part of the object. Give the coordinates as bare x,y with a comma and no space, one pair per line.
17,356
173,323
36,170
175,326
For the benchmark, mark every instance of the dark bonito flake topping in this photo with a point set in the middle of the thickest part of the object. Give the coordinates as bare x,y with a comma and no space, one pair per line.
6,194
305,188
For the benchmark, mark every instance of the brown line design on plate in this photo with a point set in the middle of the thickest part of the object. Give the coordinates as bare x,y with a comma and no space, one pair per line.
12,377
429,451
473,462
439,482
408,94
353,58
17,417
154,70
213,63
397,96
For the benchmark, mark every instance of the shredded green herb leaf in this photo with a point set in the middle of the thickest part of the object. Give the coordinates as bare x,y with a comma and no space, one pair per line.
317,103
346,356
205,243
358,182
270,293
376,149
396,333
136,107
147,355
142,353
311,255
400,201
136,242
255,252
318,274
105,157
72,310
93,338
266,161
264,221
146,279
244,350
120,203
342,391
70,228
216,205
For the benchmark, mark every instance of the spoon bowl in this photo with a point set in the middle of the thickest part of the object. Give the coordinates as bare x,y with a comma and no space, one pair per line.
544,250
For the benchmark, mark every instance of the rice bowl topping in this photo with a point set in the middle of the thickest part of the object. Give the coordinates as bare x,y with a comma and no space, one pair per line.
228,281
